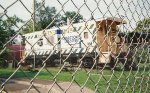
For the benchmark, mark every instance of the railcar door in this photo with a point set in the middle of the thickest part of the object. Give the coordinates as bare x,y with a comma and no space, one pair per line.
107,38
103,41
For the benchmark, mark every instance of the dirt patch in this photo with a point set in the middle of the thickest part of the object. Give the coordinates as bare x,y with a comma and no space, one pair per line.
15,87
36,81
22,85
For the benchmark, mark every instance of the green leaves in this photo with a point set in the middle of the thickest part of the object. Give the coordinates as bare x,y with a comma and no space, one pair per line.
43,17
143,26
73,16
7,30
47,17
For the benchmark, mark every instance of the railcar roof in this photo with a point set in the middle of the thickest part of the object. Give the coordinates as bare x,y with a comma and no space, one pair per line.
115,19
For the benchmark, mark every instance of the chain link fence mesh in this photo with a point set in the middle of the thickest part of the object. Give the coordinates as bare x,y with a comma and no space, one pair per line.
74,46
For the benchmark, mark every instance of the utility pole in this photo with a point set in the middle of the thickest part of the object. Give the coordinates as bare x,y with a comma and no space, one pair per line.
33,15
33,22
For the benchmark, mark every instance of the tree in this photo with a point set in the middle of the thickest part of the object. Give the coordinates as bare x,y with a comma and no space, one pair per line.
73,16
143,26
7,30
3,34
29,27
46,16
43,17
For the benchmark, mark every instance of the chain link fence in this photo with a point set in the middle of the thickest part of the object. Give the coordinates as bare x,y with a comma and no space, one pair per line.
74,46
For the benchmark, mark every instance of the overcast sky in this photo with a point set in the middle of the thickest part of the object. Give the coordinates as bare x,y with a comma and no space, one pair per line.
132,10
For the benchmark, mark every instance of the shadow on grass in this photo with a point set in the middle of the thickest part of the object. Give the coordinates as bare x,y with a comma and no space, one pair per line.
5,73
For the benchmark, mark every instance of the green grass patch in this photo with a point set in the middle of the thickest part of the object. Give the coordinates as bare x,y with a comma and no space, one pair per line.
101,81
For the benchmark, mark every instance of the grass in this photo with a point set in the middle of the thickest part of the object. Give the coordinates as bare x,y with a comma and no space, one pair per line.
106,80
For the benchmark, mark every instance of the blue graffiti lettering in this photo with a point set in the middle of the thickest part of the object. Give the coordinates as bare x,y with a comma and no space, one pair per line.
72,39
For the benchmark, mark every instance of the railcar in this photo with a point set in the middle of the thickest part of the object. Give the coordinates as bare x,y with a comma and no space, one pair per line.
88,43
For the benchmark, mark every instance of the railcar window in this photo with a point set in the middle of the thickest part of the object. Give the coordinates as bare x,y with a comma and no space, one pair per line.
86,35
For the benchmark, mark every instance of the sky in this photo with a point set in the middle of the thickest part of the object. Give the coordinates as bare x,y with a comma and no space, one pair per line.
131,10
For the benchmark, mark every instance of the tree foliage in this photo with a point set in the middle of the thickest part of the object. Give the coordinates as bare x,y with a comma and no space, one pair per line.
143,26
47,17
3,34
7,28
29,27
73,16
43,17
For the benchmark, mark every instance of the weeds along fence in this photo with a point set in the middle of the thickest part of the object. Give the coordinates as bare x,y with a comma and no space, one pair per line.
74,46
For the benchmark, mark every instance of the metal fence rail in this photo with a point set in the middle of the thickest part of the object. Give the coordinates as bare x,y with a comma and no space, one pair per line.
74,46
